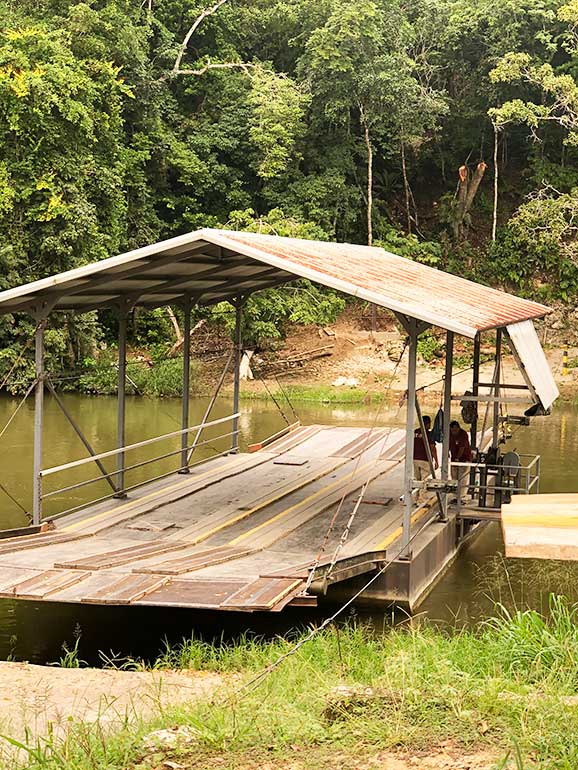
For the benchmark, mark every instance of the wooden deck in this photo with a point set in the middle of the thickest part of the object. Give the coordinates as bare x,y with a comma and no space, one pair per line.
238,533
541,526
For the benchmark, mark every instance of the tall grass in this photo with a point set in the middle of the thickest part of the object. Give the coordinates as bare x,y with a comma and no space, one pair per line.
505,685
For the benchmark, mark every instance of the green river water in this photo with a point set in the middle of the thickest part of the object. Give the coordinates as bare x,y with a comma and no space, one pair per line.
466,594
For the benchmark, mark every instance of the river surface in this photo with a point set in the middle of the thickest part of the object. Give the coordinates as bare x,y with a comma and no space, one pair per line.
467,593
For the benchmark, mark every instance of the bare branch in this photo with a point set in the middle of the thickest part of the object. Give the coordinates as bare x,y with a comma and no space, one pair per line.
218,66
199,20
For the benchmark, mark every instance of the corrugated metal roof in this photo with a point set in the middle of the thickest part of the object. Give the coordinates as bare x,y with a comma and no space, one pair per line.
532,362
215,265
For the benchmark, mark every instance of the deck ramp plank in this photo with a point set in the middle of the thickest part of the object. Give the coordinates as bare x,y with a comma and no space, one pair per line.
194,561
44,584
541,526
262,594
116,558
126,589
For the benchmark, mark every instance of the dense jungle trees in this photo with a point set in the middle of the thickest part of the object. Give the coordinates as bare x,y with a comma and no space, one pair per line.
122,122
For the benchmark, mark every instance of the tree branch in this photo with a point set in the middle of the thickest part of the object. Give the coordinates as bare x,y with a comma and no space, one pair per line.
219,66
195,25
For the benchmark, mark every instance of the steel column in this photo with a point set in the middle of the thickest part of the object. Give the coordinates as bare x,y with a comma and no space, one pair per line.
447,417
498,371
121,402
409,434
184,464
38,422
475,390
237,370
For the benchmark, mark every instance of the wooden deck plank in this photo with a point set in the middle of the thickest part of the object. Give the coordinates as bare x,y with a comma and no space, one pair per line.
44,584
10,575
194,561
166,495
37,541
126,589
295,438
262,593
206,594
281,524
228,517
118,557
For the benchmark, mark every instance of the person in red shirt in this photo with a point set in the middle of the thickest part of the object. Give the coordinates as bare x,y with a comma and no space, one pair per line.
460,452
421,469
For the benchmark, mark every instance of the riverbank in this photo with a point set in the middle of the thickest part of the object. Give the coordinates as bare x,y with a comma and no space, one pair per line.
344,363
502,695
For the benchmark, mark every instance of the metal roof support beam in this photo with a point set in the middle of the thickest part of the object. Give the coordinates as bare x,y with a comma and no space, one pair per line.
238,343
447,419
38,421
185,401
406,322
409,437
475,390
498,370
121,398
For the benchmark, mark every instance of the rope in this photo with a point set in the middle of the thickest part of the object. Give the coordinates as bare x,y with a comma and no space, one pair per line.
15,501
18,359
277,404
256,680
15,412
317,561
286,395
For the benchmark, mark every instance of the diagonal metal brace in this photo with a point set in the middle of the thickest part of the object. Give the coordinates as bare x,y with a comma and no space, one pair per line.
80,435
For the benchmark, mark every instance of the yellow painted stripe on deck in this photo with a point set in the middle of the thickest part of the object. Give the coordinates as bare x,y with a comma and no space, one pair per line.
264,504
419,514
138,501
540,520
308,499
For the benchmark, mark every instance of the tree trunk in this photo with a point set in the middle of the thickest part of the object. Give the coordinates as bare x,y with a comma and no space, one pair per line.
467,189
406,188
370,204
369,186
175,323
496,170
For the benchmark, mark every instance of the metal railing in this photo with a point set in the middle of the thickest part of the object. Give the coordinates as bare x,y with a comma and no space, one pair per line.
499,481
120,490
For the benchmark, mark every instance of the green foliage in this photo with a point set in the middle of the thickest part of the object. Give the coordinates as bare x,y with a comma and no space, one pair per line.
537,252
277,121
429,347
426,252
102,149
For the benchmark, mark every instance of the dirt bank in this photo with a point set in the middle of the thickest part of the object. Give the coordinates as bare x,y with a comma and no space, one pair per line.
36,701
346,356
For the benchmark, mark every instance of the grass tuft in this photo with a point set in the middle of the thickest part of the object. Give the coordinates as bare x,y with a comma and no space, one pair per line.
509,685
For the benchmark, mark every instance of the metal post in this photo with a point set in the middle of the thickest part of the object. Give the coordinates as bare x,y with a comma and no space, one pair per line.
498,372
447,417
121,403
475,391
184,465
38,423
237,371
409,434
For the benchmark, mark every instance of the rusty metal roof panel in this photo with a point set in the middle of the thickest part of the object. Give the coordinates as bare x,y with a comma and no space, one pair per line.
214,265
392,281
